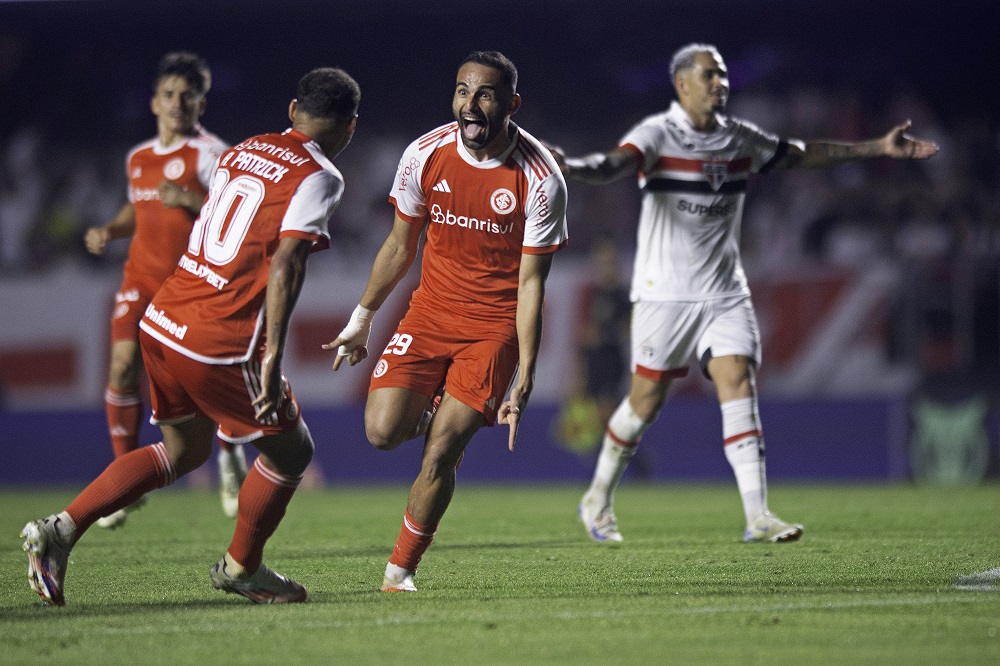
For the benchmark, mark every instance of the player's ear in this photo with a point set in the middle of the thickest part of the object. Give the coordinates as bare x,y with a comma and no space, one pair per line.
680,85
515,104
292,108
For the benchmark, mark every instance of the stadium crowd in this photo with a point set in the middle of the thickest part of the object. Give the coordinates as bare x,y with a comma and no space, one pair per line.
943,208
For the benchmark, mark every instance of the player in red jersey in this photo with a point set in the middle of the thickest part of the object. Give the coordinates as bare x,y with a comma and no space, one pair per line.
168,177
689,291
492,202
213,338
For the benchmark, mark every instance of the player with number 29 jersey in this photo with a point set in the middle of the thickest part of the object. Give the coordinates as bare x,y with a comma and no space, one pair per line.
266,188
480,216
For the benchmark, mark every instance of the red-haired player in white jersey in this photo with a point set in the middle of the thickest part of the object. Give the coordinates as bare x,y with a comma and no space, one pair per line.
492,201
168,178
213,338
689,291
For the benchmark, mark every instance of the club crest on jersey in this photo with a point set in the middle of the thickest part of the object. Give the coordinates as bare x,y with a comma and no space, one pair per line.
503,201
715,173
137,172
380,368
174,169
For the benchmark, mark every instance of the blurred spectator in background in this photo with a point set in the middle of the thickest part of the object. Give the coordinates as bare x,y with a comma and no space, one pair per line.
22,195
603,355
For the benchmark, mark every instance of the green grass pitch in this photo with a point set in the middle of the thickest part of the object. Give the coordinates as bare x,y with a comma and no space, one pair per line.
512,579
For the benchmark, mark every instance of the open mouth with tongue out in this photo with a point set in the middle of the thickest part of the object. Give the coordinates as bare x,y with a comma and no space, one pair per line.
474,130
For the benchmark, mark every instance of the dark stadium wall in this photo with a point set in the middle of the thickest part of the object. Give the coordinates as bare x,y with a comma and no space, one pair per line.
850,440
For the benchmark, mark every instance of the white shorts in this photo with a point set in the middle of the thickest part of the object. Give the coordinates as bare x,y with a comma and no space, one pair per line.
666,333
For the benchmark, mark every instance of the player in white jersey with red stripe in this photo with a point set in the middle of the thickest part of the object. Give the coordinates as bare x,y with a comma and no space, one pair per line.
213,339
689,291
168,178
492,201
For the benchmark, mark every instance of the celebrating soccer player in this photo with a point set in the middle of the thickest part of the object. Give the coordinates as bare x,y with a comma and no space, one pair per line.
213,338
492,201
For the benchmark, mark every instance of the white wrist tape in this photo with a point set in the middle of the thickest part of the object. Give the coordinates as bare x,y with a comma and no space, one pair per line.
357,330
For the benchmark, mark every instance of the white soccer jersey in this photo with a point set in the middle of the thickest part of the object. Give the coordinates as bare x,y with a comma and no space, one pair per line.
693,186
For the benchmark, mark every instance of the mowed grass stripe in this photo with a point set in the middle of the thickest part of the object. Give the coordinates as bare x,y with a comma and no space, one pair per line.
512,579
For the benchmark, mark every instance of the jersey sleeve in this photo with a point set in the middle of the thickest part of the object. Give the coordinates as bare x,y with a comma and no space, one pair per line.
128,176
761,145
407,193
545,228
208,160
308,213
644,139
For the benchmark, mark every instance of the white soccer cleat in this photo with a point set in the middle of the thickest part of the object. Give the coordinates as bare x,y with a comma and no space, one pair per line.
264,587
773,529
48,556
118,518
398,579
232,470
600,521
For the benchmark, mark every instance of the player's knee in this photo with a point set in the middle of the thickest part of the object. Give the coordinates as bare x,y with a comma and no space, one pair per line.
301,451
381,437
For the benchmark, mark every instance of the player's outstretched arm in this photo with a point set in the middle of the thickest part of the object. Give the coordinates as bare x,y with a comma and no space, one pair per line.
284,283
900,145
597,168
97,238
391,264
896,143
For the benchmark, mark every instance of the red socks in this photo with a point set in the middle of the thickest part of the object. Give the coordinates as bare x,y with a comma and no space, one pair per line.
414,539
124,412
124,481
264,496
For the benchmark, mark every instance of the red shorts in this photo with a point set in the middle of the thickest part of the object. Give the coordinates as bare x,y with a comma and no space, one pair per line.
130,303
134,294
422,357
181,387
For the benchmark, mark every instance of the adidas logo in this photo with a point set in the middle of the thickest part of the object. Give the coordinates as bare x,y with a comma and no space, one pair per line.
442,187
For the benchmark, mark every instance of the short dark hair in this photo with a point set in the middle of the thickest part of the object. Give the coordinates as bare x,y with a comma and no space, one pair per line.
328,92
188,66
499,62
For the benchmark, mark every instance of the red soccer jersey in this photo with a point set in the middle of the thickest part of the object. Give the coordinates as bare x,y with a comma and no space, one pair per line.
161,232
266,188
480,217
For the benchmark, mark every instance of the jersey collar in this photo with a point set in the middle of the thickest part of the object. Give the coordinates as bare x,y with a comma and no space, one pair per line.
491,163
677,113
314,149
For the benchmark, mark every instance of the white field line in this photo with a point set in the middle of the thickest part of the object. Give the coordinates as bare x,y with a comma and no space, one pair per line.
984,581
199,627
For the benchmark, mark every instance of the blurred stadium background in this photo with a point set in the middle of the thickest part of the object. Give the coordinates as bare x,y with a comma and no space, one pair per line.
877,284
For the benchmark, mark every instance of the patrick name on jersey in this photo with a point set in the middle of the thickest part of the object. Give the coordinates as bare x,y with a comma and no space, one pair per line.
239,158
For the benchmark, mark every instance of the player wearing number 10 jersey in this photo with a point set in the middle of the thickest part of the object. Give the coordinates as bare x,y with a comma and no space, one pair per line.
213,338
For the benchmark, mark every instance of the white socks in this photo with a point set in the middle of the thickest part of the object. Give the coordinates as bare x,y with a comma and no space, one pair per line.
620,442
744,447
